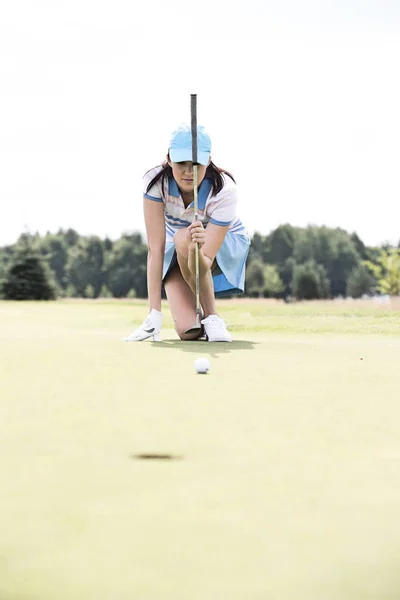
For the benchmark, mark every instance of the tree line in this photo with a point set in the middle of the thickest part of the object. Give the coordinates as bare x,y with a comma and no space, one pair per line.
290,262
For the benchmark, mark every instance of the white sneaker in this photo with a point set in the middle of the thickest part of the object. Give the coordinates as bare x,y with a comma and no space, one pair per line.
150,327
215,329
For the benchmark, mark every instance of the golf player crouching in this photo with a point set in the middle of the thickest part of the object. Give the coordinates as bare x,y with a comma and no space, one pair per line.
172,234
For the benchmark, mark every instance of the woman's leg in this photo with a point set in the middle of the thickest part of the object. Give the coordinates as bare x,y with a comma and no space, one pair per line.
180,288
182,304
207,298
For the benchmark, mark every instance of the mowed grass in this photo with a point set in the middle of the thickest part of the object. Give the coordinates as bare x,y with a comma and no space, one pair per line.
285,482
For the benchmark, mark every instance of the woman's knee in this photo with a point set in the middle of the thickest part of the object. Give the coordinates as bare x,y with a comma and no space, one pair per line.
180,242
187,337
183,324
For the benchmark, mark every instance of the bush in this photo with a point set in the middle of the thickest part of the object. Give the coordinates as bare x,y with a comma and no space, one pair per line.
105,292
255,278
360,282
71,292
273,284
263,280
89,291
310,281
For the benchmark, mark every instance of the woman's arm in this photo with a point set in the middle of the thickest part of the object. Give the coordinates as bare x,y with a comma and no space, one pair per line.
155,231
210,240
215,235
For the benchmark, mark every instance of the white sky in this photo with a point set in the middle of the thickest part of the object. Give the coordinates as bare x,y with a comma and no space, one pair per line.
301,98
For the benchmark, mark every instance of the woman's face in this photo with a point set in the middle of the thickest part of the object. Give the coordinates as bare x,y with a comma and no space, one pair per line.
183,174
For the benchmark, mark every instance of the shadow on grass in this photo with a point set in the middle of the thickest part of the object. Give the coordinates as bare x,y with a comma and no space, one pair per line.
213,348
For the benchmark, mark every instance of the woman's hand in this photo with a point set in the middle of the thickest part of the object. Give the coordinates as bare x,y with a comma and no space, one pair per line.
195,233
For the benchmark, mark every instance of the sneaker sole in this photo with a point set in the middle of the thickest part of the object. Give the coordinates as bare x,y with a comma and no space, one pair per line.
211,341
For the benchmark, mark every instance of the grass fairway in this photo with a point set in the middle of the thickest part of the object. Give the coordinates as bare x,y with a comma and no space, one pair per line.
286,478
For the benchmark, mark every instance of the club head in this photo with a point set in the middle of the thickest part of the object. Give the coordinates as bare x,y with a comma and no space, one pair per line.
197,327
194,329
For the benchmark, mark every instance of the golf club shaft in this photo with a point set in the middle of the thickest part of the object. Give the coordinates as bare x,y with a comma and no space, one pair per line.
196,216
193,111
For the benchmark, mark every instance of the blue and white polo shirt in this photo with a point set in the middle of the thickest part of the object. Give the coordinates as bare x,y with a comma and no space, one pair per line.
219,209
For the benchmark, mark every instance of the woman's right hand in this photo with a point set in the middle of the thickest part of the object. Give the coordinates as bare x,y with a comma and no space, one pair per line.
195,234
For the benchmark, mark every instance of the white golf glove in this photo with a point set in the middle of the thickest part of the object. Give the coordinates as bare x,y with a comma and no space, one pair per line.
150,327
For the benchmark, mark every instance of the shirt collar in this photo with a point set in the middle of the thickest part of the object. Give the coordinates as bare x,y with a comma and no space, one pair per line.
204,191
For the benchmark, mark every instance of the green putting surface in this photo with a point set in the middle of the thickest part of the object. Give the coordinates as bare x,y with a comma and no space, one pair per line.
286,478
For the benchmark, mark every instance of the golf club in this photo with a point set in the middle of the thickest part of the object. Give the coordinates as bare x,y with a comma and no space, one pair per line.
193,113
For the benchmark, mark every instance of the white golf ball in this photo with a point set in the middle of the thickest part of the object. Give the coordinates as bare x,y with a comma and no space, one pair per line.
202,365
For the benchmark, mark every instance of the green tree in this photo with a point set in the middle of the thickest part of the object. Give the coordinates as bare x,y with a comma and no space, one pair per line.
28,277
71,237
331,248
85,265
279,249
360,282
373,253
310,281
286,273
387,271
273,284
105,292
258,248
359,246
257,243
255,278
5,257
126,266
263,280
281,244
89,291
108,244
55,251
71,292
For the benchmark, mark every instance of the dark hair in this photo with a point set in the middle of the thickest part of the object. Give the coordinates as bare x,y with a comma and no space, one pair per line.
212,172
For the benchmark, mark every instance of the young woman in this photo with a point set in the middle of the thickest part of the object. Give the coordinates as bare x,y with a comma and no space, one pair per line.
172,236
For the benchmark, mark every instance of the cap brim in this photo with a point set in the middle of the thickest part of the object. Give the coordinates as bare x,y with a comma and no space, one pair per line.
183,155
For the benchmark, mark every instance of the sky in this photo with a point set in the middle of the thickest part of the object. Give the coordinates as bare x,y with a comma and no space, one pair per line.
301,99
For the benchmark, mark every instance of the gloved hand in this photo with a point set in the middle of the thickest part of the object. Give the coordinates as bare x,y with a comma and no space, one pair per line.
150,327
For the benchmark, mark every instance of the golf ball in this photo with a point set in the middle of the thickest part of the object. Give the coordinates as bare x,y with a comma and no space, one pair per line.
202,365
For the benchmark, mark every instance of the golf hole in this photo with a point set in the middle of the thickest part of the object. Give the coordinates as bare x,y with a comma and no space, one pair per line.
156,456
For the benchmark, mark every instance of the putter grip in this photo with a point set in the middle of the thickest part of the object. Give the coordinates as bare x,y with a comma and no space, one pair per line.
193,113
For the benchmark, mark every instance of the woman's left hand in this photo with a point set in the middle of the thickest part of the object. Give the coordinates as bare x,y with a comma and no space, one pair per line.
195,233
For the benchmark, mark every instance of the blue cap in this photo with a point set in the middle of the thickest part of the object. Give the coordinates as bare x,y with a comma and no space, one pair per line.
180,145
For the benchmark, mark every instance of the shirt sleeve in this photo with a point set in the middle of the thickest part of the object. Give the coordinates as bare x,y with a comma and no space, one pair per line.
154,192
222,208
